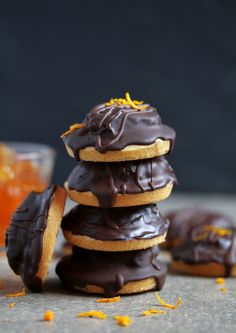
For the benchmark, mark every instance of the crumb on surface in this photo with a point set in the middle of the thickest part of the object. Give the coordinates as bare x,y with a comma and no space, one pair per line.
123,320
11,305
92,314
224,290
219,280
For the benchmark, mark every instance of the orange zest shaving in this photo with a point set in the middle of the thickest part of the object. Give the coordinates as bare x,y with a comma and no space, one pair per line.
92,314
127,101
48,315
123,320
72,128
18,294
224,290
219,280
11,305
216,230
153,311
166,305
108,300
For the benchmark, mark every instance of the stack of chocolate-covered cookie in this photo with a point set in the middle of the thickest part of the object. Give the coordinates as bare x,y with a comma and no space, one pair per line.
120,175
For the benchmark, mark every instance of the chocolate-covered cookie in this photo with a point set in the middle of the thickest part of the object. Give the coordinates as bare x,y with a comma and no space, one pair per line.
115,229
121,184
112,273
30,239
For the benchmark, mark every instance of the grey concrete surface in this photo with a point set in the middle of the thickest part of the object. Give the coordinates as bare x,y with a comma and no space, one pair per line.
205,308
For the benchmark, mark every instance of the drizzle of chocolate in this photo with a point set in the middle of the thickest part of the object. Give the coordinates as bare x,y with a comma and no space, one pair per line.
211,248
24,236
114,127
105,180
125,223
110,270
184,220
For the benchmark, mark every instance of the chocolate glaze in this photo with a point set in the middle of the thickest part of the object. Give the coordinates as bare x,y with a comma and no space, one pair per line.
184,220
140,222
105,180
115,127
110,270
213,248
25,236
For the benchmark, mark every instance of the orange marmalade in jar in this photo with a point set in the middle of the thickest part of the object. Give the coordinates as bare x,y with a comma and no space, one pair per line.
24,167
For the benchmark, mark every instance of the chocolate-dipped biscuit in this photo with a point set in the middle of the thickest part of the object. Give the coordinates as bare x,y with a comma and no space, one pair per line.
31,236
112,273
118,132
121,184
182,222
209,250
115,229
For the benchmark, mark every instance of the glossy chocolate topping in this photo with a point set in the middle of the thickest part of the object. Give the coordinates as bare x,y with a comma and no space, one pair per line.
115,127
110,270
184,220
105,180
140,222
25,236
208,246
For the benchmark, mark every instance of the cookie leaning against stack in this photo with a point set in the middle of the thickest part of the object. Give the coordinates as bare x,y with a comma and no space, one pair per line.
117,227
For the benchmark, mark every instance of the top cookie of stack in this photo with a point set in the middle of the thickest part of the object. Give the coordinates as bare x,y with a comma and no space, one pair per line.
119,130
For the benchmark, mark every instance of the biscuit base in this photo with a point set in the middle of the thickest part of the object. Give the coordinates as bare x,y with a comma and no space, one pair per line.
133,287
55,214
129,153
89,243
210,269
121,200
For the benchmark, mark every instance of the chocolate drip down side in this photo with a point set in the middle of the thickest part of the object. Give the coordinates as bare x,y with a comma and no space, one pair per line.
105,180
110,271
24,237
114,127
125,223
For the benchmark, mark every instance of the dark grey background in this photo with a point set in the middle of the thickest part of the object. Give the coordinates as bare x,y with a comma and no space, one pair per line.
59,58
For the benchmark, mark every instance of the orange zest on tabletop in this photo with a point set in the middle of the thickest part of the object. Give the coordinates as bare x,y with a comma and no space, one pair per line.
11,305
108,300
153,311
72,128
48,315
219,280
224,290
127,101
18,294
92,314
166,305
123,320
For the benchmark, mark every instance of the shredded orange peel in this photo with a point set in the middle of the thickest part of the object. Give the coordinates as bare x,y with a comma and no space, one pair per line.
127,101
166,305
92,314
219,280
48,315
224,290
153,311
108,300
11,305
18,294
123,320
72,128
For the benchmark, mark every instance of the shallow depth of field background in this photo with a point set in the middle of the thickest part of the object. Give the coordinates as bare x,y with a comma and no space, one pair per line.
60,58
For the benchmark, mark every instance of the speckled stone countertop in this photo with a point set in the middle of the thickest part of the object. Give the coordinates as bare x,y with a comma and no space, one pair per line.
204,308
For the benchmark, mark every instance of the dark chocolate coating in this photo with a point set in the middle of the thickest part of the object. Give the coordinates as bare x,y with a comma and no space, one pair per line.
110,270
214,248
105,180
140,222
24,237
114,127
184,220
